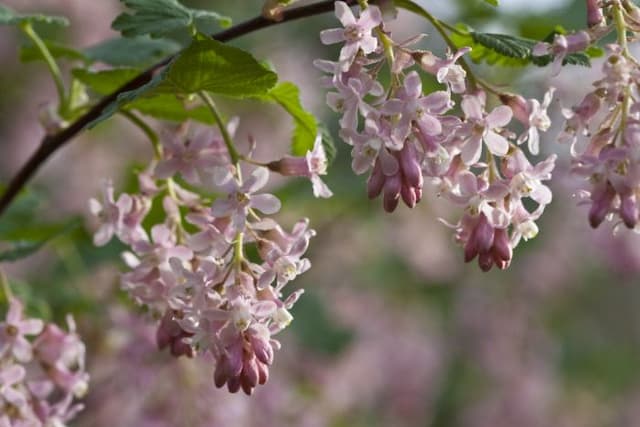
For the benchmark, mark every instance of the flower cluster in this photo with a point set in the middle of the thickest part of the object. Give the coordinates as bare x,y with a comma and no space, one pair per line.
40,377
193,271
404,136
604,132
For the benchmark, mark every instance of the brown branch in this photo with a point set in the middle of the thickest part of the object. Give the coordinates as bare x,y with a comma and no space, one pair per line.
52,143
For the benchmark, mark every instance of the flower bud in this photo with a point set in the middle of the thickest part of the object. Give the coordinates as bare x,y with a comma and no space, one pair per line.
391,197
602,201
594,13
291,166
629,210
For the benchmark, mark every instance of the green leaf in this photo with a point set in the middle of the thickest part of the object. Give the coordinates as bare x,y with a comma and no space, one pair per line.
131,52
106,81
287,95
492,2
504,44
161,17
508,50
594,51
328,143
125,98
31,240
205,65
9,17
170,107
31,53
217,68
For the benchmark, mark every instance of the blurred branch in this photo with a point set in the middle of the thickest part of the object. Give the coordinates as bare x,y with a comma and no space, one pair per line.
52,143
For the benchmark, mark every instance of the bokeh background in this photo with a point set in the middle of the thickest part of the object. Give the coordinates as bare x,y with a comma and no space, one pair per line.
394,329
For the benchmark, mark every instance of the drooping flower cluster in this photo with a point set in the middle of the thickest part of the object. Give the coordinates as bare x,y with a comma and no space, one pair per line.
404,136
604,131
42,371
193,270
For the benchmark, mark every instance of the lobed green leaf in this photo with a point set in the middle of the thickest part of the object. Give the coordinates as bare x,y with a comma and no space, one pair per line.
208,65
131,51
287,95
10,17
31,53
158,18
126,98
106,81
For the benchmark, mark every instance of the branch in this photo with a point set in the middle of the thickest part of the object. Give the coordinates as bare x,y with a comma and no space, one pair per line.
52,143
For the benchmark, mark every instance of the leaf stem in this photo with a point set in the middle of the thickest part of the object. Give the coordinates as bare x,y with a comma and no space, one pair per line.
238,255
28,30
621,30
233,153
4,285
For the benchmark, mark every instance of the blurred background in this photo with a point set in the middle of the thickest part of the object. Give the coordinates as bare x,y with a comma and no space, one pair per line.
394,329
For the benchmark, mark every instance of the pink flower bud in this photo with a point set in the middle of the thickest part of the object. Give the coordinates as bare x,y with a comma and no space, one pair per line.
409,196
410,165
391,197
263,373
629,210
518,105
291,166
249,375
233,385
376,181
577,41
485,261
594,13
602,201
484,235
502,251
262,349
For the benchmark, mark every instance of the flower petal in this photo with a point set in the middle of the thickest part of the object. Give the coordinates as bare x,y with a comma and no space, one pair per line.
499,117
265,203
497,144
344,13
471,151
332,36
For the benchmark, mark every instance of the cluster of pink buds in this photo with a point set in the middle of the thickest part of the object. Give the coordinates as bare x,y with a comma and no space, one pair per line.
192,270
41,371
405,136
604,133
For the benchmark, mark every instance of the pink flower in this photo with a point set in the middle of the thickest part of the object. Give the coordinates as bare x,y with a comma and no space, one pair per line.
349,100
121,218
242,199
415,108
11,396
479,127
533,115
356,33
446,70
203,154
63,355
13,331
312,165
562,46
